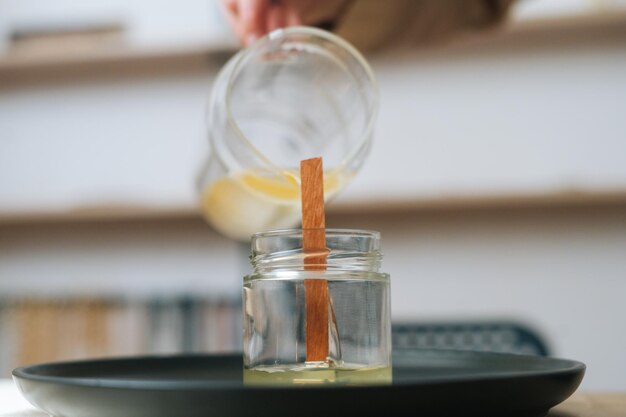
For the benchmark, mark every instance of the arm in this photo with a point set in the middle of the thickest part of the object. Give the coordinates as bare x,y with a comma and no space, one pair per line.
368,24
371,24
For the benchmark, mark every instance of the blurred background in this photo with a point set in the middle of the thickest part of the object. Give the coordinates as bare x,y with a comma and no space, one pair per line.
497,179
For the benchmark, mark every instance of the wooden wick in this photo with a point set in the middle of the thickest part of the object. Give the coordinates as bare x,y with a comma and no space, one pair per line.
314,246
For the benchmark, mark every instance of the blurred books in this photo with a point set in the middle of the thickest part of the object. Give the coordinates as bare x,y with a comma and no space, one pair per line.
40,330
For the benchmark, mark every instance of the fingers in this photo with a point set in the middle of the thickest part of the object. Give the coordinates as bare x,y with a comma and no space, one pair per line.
276,17
251,19
282,14
247,18
229,6
231,10
253,16
293,17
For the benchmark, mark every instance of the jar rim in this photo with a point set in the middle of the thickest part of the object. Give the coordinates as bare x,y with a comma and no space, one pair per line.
345,250
330,232
314,32
327,275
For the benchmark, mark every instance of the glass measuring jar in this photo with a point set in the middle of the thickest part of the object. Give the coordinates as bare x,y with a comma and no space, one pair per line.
359,323
295,94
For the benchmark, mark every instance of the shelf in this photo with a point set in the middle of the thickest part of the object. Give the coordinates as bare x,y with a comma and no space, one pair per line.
20,68
452,203
459,203
27,69
602,18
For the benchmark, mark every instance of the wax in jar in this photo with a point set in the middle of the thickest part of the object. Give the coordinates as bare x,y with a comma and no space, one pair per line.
241,204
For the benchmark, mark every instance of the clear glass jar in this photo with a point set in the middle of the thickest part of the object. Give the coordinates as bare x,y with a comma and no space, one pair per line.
359,323
295,94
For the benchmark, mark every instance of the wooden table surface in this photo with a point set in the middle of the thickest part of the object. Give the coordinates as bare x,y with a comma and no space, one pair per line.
579,405
583,404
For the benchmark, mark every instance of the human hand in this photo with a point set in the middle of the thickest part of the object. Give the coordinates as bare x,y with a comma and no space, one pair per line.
251,19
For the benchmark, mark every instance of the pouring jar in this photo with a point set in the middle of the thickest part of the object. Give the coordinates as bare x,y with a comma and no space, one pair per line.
359,324
297,93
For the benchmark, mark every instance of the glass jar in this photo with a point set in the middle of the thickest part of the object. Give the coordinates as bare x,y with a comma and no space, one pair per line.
295,94
275,306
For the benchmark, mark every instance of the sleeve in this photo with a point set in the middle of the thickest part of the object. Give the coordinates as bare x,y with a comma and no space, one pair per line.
371,24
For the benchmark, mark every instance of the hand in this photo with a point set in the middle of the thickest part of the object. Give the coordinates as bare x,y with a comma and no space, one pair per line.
251,19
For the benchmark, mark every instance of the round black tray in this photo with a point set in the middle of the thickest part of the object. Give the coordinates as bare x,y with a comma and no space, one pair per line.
426,383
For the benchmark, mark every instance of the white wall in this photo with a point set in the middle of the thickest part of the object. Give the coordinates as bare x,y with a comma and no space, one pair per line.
529,115
111,143
135,259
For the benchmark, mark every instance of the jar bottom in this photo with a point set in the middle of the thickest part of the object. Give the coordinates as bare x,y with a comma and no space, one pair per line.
308,375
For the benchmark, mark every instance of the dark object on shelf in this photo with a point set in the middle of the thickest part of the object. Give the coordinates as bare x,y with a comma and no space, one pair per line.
503,337
426,382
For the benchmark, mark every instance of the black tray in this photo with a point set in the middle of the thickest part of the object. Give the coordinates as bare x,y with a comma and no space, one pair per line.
426,383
